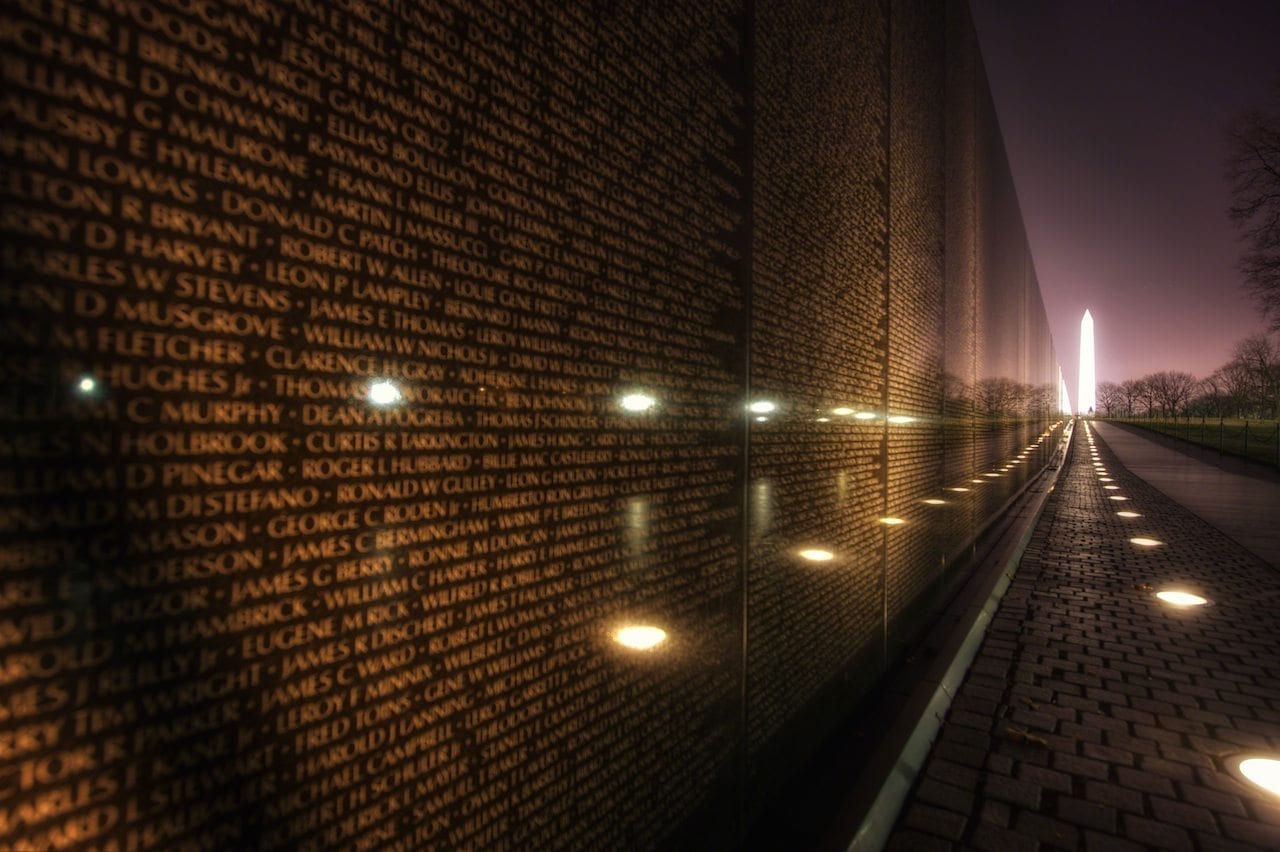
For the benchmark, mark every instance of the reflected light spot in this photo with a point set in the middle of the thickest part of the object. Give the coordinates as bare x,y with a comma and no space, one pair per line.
892,522
637,402
842,411
1116,497
87,384
1129,514
934,501
900,418
640,637
764,406
383,392
865,415
1182,598
816,555
1146,542
1263,771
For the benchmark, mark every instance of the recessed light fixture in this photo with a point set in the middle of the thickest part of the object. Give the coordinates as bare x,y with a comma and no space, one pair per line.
640,637
1146,542
814,554
892,522
1116,497
958,489
992,475
1177,598
842,411
1111,487
1263,771
934,501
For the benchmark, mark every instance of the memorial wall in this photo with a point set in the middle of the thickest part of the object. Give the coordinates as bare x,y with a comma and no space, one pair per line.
484,423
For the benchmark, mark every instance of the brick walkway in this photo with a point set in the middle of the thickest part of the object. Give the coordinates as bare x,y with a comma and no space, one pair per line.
1097,718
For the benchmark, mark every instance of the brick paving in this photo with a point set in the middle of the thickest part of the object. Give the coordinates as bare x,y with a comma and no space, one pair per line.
1096,717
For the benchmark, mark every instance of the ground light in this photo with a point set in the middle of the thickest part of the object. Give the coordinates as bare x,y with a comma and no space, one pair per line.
1146,542
814,554
1177,598
1263,771
640,637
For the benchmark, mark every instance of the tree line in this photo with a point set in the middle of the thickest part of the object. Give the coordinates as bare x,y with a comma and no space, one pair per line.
1248,385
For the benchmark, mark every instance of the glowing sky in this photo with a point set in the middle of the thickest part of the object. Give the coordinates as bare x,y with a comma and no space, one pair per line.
1113,113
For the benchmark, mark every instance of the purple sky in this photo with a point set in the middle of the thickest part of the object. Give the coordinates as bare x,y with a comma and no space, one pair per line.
1113,113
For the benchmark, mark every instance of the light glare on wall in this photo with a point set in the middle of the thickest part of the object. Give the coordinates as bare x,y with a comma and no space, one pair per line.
383,392
842,411
1129,514
815,554
637,402
762,406
900,418
1146,542
892,522
934,501
640,637
865,415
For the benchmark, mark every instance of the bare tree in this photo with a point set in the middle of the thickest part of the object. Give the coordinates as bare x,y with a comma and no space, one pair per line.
1110,398
1171,390
1253,167
1255,368
1132,390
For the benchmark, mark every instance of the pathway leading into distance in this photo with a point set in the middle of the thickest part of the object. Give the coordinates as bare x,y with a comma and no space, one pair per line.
1096,717
1245,507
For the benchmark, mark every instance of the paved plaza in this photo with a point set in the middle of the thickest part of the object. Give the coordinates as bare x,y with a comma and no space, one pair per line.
1097,717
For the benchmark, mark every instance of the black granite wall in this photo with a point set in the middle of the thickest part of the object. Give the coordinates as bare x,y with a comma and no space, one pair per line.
376,372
